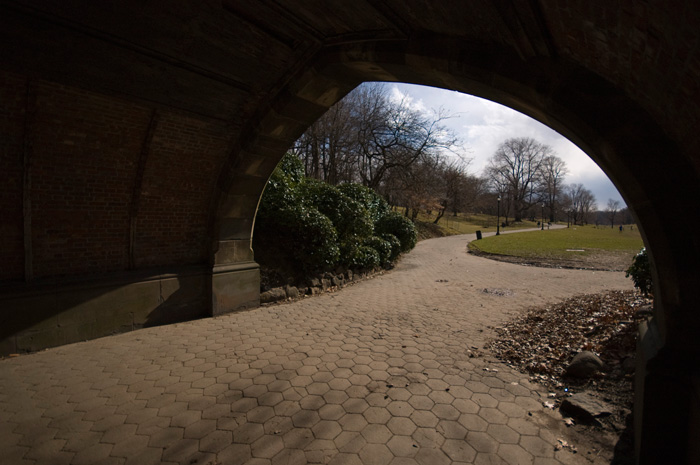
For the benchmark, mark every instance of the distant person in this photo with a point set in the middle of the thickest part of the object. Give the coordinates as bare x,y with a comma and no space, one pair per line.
620,228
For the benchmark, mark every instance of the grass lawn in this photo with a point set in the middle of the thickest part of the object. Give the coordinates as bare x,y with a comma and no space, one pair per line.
576,241
470,223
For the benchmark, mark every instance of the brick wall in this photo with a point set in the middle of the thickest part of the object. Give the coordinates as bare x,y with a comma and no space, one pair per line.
92,168
85,149
178,180
12,115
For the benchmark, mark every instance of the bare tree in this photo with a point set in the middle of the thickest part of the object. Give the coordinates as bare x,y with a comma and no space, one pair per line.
392,135
552,180
368,135
582,203
517,166
501,187
326,148
611,210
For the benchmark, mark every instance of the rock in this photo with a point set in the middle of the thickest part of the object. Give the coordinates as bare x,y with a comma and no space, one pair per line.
314,282
645,311
325,283
336,281
584,365
585,407
273,295
292,292
349,274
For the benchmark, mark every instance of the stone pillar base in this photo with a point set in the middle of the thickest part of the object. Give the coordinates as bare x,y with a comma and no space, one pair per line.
667,403
235,287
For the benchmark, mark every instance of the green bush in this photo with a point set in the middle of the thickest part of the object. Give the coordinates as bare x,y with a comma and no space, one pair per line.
374,203
640,271
361,257
350,218
395,245
401,227
382,246
304,234
310,226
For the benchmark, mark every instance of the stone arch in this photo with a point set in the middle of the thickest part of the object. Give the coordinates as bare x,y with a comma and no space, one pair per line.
580,105
652,172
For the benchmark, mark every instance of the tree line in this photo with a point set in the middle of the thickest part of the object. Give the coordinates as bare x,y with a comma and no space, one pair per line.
414,161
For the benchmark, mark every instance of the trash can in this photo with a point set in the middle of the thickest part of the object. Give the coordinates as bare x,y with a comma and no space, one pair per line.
478,235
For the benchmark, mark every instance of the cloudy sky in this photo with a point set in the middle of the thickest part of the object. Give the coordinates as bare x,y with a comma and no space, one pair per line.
483,125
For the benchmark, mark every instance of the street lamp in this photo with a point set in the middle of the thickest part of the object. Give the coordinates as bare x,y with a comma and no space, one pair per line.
498,217
542,216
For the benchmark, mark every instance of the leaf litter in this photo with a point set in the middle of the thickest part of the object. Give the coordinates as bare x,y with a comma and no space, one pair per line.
545,339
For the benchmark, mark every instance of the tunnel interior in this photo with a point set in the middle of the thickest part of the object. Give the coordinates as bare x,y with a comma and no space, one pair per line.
137,141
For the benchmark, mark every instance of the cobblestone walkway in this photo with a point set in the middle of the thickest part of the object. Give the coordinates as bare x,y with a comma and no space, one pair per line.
382,372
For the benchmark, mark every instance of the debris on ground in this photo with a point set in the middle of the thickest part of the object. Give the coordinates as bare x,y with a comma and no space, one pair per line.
584,365
586,407
545,341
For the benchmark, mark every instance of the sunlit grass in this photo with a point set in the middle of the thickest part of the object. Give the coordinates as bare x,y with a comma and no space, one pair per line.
562,243
470,223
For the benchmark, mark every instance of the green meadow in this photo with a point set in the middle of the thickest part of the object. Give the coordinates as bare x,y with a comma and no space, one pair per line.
563,243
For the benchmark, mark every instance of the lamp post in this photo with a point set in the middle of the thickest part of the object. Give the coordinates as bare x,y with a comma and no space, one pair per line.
498,217
542,216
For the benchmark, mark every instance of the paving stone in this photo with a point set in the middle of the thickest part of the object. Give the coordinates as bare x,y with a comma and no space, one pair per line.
92,454
493,416
503,434
424,418
267,446
350,442
130,446
376,434
472,422
375,454
355,376
401,426
289,457
403,446
199,429
428,437
451,429
428,456
459,451
352,422
298,438
515,455
482,442
377,415
215,441
537,446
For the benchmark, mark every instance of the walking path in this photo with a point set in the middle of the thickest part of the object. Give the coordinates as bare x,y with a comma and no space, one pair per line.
385,371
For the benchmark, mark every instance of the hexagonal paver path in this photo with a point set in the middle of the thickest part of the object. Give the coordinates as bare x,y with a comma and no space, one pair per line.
382,372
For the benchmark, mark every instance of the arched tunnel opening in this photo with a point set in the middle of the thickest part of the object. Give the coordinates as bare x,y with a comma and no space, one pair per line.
117,119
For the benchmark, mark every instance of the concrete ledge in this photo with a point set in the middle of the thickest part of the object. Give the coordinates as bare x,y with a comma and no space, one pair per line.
57,312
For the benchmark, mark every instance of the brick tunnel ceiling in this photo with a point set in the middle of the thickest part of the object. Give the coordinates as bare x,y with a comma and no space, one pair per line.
223,60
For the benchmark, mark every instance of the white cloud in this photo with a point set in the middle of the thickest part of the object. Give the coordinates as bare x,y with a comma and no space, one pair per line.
483,125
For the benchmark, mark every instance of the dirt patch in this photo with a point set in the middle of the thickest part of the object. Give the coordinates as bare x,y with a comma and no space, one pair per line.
596,260
545,339
427,230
